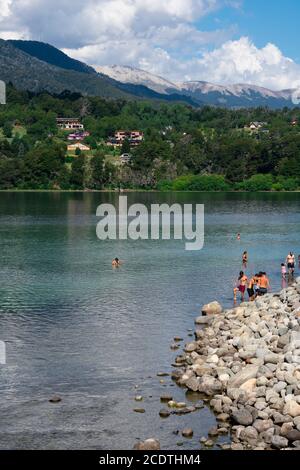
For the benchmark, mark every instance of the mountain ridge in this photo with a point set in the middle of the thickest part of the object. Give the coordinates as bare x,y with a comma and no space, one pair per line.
28,72
236,95
36,66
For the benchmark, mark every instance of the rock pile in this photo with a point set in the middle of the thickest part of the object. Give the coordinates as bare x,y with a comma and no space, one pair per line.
247,361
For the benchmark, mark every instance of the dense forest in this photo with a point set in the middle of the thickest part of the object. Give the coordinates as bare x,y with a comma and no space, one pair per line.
184,148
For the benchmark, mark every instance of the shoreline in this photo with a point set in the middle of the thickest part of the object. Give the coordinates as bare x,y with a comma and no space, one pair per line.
87,191
246,361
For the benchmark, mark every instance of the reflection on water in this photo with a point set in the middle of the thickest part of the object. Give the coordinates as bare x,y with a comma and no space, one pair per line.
75,327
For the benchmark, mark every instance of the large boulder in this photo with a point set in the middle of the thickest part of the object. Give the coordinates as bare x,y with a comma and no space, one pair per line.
247,373
214,308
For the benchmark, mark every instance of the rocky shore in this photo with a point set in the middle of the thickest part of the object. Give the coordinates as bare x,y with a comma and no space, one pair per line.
246,360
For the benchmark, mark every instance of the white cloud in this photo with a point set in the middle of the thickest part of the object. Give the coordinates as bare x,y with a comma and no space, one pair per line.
4,8
161,36
242,62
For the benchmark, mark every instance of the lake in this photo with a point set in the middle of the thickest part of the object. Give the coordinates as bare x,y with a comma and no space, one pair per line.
98,336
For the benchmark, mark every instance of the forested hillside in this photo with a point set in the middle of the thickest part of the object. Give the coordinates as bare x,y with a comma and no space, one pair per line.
184,148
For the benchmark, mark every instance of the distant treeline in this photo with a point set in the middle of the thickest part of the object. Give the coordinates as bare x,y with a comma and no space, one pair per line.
185,148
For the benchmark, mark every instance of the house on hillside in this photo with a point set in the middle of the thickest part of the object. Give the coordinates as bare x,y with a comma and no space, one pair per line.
69,124
256,126
134,138
78,145
78,135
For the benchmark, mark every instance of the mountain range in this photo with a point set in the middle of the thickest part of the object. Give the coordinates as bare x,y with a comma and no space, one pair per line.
239,95
36,66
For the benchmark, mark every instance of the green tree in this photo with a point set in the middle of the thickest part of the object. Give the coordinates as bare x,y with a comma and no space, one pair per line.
125,146
77,172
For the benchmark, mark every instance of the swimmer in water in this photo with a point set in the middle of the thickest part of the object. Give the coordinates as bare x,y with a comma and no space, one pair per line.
116,263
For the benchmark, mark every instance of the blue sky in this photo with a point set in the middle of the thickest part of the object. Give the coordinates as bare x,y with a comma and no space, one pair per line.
219,41
264,21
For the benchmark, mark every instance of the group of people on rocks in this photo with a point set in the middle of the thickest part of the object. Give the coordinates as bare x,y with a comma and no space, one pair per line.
259,284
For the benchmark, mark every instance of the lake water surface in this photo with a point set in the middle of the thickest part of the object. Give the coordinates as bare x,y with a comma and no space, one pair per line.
75,327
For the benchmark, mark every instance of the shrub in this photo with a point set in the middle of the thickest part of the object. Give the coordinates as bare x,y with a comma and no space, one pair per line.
259,183
200,183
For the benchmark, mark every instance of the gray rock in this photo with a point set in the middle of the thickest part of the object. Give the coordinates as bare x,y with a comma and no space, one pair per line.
192,384
190,347
243,417
293,435
262,425
279,442
213,308
247,373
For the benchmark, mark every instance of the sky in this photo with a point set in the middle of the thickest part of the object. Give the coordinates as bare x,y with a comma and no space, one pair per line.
220,41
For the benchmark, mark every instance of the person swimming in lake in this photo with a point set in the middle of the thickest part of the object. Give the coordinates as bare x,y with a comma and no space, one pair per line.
245,259
241,286
116,263
238,236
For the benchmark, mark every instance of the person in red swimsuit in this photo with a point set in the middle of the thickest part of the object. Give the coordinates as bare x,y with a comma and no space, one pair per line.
241,286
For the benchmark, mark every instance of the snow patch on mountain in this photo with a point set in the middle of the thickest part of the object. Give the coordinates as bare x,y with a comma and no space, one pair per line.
237,90
135,76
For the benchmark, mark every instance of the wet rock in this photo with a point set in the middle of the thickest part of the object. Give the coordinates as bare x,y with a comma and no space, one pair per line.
209,443
148,444
139,410
164,413
55,399
188,432
178,339
166,398
172,404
